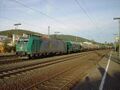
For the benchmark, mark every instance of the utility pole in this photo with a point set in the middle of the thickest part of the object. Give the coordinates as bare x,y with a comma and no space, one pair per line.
118,18
16,27
115,41
48,31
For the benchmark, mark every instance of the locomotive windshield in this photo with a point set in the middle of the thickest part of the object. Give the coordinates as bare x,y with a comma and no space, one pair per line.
23,40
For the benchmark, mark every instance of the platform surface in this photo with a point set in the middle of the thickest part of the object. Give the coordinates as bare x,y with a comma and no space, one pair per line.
105,76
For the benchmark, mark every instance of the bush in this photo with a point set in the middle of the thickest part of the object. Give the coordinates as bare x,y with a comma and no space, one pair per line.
9,48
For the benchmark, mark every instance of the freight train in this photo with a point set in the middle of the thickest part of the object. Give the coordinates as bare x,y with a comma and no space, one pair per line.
36,46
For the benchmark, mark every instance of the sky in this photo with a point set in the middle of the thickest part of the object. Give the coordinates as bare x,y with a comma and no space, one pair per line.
91,19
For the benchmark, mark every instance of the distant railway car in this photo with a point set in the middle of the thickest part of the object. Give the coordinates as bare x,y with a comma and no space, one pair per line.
36,46
73,47
89,46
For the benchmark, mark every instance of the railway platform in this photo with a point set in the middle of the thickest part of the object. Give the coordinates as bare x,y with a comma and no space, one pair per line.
105,75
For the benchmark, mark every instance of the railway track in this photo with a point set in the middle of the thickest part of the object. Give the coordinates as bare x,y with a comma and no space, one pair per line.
64,80
29,65
9,58
13,71
4,56
33,77
60,81
12,60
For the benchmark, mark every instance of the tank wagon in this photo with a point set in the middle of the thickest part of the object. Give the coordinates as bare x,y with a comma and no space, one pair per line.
88,46
73,47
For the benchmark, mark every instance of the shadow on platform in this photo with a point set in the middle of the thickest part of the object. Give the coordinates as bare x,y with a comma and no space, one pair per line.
111,82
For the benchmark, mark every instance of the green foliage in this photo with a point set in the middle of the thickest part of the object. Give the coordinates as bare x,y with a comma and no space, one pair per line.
18,32
9,48
61,37
70,38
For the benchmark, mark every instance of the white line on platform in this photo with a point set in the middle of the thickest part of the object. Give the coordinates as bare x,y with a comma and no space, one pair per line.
104,76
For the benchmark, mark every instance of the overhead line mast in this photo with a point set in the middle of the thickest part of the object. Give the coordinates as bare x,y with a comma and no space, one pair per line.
118,18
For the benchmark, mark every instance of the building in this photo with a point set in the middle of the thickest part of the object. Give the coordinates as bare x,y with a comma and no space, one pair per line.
3,38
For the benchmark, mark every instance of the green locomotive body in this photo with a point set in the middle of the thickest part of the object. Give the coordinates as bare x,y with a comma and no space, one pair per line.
28,46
